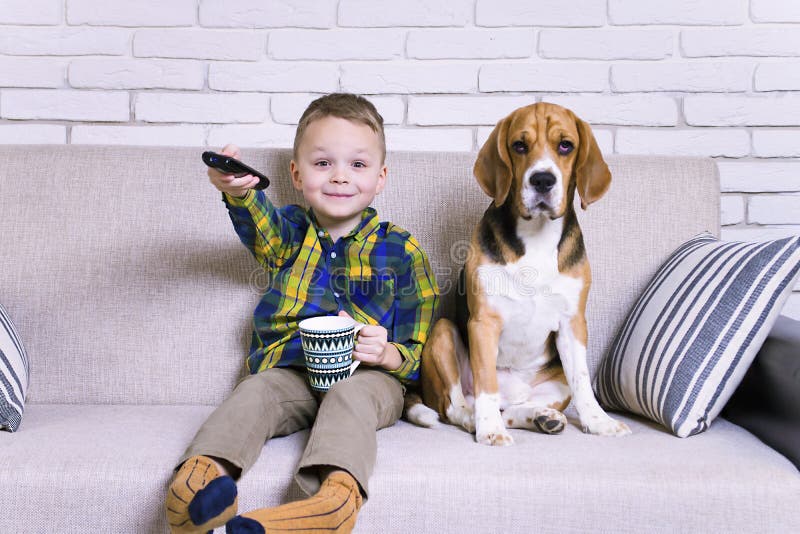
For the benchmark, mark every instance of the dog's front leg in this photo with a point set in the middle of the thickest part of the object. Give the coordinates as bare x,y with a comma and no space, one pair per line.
484,336
571,343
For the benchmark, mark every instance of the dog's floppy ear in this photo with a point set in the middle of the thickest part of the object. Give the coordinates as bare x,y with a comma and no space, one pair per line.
493,166
591,171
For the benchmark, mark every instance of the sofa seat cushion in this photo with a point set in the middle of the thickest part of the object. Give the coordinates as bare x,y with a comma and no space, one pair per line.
105,468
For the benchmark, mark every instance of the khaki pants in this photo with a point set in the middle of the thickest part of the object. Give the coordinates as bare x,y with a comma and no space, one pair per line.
279,401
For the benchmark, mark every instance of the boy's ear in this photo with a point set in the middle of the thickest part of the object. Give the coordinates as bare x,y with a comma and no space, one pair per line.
382,180
294,170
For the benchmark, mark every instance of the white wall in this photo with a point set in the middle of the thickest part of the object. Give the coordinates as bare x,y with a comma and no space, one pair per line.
718,78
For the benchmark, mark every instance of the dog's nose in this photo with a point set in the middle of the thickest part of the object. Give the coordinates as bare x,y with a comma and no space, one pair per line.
543,182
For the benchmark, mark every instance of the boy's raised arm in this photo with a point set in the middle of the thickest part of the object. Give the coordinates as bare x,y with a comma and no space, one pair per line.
262,229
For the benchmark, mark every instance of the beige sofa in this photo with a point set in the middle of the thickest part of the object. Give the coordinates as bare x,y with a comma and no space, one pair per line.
133,296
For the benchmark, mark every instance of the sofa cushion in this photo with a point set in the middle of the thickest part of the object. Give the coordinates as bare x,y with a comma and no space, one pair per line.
767,403
14,371
148,287
107,468
690,338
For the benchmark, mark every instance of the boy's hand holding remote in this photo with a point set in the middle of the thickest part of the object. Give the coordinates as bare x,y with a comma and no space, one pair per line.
235,187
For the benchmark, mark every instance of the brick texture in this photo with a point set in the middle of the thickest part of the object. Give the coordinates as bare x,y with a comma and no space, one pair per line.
685,77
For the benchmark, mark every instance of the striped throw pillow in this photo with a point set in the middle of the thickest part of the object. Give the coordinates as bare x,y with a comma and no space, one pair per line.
14,372
691,336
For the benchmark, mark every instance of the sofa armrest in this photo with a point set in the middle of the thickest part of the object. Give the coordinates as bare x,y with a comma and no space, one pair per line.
767,402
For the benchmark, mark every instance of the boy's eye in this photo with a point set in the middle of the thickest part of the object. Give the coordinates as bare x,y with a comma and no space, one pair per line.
359,164
321,164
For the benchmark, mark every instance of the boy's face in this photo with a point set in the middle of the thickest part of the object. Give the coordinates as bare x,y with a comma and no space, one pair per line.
339,169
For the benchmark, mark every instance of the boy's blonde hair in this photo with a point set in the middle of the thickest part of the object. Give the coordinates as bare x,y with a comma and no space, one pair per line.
345,106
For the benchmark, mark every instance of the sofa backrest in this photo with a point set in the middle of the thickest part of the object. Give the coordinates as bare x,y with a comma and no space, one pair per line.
127,283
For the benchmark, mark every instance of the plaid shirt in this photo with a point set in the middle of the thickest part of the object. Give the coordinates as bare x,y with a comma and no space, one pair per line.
377,273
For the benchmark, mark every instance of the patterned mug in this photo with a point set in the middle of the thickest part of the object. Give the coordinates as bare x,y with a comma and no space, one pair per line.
328,347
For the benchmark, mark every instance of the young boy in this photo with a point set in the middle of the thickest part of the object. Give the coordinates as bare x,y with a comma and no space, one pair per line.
334,258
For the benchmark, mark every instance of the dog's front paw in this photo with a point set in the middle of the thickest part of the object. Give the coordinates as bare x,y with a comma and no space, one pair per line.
493,433
498,439
603,425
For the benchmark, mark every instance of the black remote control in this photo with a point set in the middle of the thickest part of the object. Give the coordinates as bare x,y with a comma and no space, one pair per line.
229,165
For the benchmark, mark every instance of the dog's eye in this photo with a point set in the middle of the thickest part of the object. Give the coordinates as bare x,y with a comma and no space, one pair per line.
565,147
519,147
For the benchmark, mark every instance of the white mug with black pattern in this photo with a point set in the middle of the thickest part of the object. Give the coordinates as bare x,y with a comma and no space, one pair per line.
328,343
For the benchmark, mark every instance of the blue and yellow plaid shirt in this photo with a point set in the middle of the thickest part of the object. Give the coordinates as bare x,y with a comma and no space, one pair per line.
377,273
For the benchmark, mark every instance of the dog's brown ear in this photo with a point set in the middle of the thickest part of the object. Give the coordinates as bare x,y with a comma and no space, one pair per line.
591,171
493,166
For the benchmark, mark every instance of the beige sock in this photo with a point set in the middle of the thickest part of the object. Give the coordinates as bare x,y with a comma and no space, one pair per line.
333,509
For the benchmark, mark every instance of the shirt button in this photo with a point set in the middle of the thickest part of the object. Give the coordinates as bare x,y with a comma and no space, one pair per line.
333,254
321,233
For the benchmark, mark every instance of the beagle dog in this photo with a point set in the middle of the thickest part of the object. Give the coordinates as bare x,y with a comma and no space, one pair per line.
525,282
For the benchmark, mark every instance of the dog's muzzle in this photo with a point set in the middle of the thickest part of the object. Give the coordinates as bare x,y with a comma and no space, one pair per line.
540,196
543,182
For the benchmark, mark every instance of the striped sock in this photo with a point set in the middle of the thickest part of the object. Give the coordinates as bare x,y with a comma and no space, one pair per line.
200,498
333,509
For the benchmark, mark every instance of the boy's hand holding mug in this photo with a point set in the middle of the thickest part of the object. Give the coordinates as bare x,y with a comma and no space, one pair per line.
372,347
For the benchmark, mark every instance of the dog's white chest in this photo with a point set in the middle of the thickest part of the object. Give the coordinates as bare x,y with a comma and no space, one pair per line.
531,296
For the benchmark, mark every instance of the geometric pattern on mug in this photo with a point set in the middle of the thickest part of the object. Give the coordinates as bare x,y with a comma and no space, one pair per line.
322,381
327,343
328,356
326,361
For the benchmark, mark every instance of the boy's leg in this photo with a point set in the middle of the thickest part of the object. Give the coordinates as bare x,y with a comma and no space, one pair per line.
344,434
342,440
274,402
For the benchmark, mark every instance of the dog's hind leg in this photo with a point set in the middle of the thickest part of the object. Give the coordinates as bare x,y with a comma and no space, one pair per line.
441,375
543,409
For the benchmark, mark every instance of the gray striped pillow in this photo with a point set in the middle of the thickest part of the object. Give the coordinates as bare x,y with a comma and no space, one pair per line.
13,375
691,336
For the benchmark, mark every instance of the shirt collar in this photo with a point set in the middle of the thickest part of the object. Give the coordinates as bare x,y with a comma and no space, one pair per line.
369,222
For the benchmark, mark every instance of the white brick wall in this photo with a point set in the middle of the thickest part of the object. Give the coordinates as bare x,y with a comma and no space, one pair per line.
65,104
775,11
122,73
64,41
606,44
577,13
575,76
336,45
776,143
717,78
39,12
694,77
774,209
134,14
684,12
745,41
389,13
732,209
469,43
